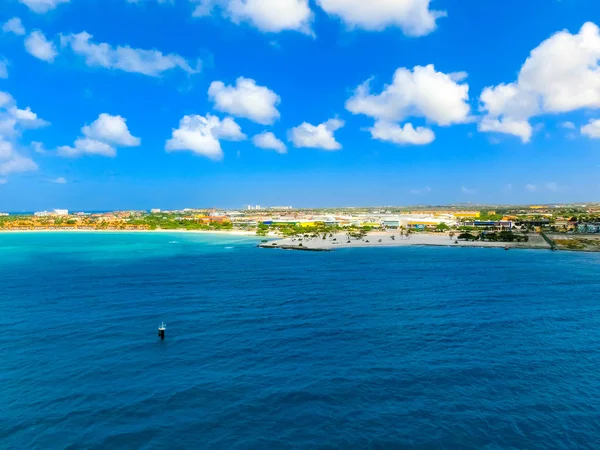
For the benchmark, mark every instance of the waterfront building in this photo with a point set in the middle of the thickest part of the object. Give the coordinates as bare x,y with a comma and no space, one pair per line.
494,224
61,212
466,214
154,211
589,227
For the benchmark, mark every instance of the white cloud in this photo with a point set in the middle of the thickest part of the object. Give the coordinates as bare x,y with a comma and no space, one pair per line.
245,99
388,131
3,68
267,140
86,146
592,129
37,45
531,187
27,119
5,99
17,164
425,190
42,6
14,120
567,125
412,16
229,130
560,75
3,181
111,129
11,161
147,62
201,135
440,98
100,138
266,15
14,25
320,136
466,190
59,180
520,129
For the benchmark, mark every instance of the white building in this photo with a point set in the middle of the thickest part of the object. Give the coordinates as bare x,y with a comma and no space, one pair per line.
61,212
155,210
41,214
3,214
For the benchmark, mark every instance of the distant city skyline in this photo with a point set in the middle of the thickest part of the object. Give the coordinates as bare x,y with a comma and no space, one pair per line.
138,105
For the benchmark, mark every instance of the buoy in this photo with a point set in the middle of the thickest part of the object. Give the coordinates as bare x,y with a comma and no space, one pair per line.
161,331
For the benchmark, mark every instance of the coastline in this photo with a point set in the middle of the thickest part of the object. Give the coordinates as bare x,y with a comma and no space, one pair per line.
225,232
384,239
336,241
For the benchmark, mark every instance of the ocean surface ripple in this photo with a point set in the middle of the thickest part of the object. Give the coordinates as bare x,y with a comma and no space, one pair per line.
449,348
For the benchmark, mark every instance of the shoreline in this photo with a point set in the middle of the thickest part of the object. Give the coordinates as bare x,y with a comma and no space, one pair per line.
387,239
225,232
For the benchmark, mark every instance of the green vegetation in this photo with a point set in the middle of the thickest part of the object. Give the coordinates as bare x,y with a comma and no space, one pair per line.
502,236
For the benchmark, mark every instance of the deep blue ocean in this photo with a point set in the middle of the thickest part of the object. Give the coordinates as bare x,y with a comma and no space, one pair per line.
421,348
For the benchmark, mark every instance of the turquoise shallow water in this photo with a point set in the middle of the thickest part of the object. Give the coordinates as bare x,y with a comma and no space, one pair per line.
360,348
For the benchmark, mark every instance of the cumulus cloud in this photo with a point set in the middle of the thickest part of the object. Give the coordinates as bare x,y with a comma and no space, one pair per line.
520,128
439,98
560,75
147,62
245,99
13,122
59,180
265,15
101,138
85,146
268,140
319,136
592,129
111,129
17,163
14,25
413,17
42,6
37,45
202,134
422,92
388,131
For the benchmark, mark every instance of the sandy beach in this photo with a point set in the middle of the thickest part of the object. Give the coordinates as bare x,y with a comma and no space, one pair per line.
390,239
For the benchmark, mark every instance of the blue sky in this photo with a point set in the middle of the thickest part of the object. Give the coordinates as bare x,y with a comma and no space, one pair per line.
109,104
